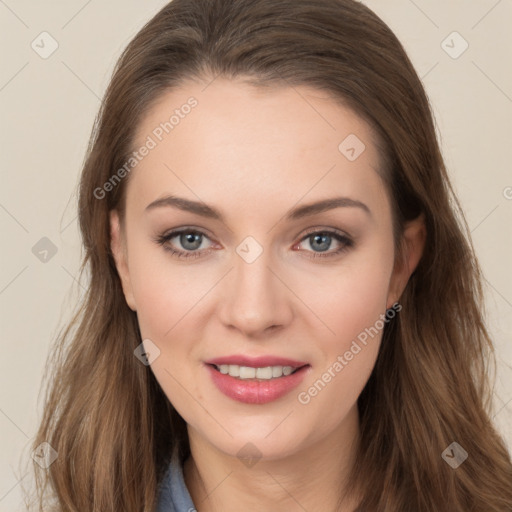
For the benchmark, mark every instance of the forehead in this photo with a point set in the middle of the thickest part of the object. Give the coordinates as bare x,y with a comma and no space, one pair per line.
229,138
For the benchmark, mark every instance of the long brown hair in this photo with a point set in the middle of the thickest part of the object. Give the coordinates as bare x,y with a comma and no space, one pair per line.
105,414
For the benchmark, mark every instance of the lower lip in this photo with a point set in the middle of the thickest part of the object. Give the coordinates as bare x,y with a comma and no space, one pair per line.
253,391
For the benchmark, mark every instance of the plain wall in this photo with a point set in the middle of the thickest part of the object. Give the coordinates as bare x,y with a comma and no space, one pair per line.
47,111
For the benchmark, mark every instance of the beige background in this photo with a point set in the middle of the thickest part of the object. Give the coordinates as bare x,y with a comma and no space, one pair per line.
47,111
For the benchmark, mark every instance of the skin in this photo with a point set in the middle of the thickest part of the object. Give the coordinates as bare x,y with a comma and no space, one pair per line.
253,155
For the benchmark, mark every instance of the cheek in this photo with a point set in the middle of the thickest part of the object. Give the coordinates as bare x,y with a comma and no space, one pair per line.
153,296
348,355
164,289
351,303
349,298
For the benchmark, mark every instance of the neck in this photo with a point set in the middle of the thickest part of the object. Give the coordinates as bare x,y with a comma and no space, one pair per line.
311,479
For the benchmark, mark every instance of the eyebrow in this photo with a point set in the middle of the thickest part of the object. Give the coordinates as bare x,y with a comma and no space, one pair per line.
299,212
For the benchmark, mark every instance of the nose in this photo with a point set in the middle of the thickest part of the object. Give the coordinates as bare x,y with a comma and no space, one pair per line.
255,300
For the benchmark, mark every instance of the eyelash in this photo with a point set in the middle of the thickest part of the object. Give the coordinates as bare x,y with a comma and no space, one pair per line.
162,240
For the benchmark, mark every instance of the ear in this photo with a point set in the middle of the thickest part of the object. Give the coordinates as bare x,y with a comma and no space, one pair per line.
413,243
118,248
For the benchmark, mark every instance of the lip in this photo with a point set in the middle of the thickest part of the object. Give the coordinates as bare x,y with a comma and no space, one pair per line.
256,391
256,362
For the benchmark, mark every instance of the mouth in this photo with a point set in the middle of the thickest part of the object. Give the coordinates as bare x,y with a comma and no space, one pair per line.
256,380
256,373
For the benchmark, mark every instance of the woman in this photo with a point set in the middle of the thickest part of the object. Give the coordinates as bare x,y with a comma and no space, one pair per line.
284,310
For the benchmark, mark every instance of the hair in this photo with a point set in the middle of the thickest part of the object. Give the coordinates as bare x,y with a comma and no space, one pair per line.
106,415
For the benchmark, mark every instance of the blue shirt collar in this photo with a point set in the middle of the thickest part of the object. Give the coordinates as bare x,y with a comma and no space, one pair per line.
173,493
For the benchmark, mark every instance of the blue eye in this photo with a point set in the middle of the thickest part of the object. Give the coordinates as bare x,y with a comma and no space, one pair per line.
322,240
191,240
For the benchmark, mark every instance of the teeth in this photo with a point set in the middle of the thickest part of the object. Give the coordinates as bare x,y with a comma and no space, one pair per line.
247,372
264,373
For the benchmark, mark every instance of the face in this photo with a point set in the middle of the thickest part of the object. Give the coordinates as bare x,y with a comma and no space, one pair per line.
239,273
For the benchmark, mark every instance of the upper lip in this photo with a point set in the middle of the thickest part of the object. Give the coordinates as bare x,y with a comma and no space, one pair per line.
256,362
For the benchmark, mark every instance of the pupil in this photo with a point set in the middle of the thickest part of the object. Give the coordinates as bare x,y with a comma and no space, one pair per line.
190,238
324,245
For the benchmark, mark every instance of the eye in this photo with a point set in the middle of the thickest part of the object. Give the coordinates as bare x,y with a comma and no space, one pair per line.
190,239
322,240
